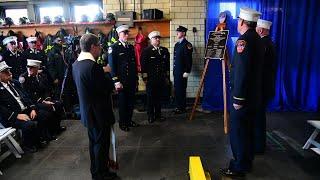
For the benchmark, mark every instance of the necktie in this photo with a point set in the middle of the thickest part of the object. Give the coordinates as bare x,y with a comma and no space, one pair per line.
13,90
158,49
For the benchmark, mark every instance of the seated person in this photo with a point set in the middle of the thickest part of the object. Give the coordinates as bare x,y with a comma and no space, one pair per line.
18,111
38,88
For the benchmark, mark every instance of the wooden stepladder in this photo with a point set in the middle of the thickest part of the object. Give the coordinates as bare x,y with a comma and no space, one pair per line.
224,62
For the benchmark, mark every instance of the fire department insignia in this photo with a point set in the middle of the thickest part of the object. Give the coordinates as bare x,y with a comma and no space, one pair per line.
241,44
189,46
109,50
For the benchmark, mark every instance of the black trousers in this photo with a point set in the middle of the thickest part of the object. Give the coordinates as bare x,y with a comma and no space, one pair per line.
99,143
180,92
126,105
55,113
154,94
241,138
30,134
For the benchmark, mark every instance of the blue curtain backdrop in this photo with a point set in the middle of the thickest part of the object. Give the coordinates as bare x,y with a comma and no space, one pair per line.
296,34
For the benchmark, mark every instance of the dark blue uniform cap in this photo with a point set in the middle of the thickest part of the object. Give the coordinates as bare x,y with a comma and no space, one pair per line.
182,29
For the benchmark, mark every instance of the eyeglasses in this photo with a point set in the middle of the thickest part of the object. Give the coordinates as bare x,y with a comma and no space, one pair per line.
33,42
126,32
13,43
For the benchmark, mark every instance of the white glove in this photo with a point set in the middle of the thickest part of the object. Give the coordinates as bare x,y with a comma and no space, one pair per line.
237,106
185,75
118,85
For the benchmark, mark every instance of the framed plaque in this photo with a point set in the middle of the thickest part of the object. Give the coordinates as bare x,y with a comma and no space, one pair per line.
216,45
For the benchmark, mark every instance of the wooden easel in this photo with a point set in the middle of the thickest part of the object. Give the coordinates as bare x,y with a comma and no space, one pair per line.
224,62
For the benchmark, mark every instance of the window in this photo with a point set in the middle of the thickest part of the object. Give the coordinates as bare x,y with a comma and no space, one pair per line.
90,10
229,7
51,12
15,14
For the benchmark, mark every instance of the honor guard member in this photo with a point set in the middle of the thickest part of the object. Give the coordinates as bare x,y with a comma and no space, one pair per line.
33,53
57,65
245,96
121,58
268,84
181,68
155,66
38,88
13,57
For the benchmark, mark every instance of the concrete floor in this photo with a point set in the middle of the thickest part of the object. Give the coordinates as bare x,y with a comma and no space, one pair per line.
160,151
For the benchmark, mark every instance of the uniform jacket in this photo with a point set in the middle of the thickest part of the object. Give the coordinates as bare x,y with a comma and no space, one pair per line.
17,61
269,69
9,107
246,70
123,64
36,55
94,92
155,64
182,58
38,88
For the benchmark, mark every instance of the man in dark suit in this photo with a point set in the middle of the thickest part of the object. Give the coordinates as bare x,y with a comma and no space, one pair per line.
124,73
18,111
94,91
245,96
181,68
268,84
155,66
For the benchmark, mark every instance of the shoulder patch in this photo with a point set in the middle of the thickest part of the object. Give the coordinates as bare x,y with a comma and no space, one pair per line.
241,44
109,50
189,46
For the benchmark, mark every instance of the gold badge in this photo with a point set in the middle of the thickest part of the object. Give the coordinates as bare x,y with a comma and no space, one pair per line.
241,44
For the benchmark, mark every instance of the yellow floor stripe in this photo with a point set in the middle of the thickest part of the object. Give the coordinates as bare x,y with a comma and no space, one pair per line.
196,171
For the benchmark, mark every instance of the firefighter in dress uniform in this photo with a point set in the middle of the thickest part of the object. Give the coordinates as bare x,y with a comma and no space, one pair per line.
268,84
13,57
122,61
245,96
155,66
181,68
38,88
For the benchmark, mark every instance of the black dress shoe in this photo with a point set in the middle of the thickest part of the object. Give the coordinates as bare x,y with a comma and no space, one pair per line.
232,174
30,149
61,129
160,119
124,128
133,124
150,120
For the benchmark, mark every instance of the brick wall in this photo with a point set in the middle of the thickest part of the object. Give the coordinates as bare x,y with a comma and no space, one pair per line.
188,13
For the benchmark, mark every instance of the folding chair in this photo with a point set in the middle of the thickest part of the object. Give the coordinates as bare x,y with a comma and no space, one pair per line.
12,144
311,140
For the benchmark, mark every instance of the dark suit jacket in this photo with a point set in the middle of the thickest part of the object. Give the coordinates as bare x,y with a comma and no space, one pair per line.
94,91
9,107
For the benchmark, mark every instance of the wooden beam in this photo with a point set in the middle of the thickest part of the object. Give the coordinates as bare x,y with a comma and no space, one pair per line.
147,26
